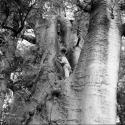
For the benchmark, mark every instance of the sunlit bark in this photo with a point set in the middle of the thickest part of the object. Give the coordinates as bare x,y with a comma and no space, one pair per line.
65,26
97,72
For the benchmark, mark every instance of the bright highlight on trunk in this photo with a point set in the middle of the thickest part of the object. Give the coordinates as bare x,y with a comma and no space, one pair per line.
98,66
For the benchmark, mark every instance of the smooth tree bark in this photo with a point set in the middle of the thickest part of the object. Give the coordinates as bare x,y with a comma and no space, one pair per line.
96,75
65,31
76,54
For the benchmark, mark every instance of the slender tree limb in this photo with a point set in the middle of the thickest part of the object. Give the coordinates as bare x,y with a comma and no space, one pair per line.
9,28
30,39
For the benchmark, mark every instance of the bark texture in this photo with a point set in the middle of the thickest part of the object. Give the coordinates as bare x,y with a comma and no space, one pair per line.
46,92
97,72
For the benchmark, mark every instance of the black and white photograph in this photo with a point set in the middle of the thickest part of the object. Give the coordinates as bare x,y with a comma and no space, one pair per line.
62,62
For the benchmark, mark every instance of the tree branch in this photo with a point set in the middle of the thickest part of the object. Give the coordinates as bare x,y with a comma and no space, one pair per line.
30,39
84,8
23,21
9,28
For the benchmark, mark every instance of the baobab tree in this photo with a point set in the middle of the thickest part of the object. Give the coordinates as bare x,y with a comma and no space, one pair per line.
96,75
65,88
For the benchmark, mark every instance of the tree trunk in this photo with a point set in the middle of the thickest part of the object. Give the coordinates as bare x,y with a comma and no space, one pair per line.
43,95
65,27
97,72
72,102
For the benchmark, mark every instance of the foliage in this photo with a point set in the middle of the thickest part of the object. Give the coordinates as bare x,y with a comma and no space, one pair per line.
14,13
